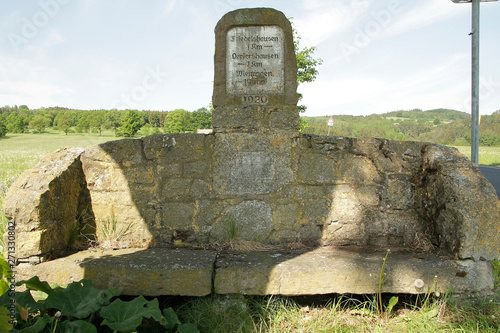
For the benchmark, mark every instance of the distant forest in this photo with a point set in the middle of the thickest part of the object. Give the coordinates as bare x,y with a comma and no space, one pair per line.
126,123
442,126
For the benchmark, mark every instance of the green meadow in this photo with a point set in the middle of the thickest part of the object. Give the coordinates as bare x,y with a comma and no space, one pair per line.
487,155
19,152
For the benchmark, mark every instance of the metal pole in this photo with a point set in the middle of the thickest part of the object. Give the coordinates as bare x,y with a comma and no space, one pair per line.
475,83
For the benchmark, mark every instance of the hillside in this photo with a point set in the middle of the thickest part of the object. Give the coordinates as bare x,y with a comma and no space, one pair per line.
441,126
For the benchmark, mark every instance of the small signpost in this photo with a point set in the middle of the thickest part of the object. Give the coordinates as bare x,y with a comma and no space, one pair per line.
330,124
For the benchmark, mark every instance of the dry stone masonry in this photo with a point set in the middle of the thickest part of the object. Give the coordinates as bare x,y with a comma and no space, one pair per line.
325,208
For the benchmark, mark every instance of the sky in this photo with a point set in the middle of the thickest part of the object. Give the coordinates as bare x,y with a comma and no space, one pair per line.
378,56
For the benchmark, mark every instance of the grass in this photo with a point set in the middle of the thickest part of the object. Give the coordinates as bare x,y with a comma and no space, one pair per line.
336,313
487,155
110,234
19,152
287,314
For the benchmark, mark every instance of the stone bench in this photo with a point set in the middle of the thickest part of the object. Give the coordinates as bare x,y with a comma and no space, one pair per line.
191,272
256,178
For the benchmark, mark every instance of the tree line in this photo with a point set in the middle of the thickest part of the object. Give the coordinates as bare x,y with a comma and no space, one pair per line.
441,126
125,123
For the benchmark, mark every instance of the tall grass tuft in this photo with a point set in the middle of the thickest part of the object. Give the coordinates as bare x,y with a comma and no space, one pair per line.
110,233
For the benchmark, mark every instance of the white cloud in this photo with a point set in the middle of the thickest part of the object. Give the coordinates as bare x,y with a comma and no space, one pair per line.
440,74
170,6
423,14
324,19
331,95
32,94
438,86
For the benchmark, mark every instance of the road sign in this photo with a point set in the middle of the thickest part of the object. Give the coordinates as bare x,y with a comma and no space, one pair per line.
330,121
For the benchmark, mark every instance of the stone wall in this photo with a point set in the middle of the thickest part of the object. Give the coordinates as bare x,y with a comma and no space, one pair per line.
273,188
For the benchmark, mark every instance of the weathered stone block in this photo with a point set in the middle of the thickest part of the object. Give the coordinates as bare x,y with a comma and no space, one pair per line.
346,206
171,170
286,216
249,173
122,153
252,220
460,203
177,188
316,169
251,164
172,148
178,215
48,203
344,233
336,168
199,170
394,228
399,192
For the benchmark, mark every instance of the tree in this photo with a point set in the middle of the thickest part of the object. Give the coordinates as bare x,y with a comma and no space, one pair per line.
306,64
83,123
96,120
132,123
155,118
64,122
15,123
3,125
112,120
39,122
303,125
201,118
177,121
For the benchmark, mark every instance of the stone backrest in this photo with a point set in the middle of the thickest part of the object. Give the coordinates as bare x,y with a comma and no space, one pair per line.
198,189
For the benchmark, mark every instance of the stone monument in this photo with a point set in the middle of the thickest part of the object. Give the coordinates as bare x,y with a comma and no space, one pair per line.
255,83
324,208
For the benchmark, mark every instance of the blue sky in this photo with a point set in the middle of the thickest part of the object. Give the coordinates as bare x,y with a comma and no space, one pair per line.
379,56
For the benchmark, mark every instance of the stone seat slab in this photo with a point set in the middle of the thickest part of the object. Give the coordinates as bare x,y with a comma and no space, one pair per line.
348,271
149,272
326,270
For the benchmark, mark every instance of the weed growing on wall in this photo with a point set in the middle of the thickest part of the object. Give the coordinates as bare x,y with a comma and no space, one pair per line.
110,233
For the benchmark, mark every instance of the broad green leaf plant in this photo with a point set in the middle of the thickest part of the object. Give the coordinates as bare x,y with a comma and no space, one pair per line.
81,307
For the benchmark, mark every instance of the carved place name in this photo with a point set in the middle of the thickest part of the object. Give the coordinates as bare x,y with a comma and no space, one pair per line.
245,56
254,62
258,39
